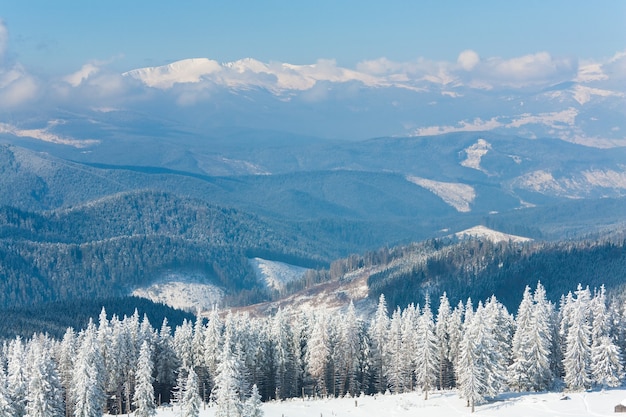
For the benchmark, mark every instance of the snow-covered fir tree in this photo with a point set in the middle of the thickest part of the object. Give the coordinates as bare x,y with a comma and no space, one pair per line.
378,333
519,378
226,393
252,406
350,344
426,352
88,377
318,352
442,332
6,410
44,398
143,398
577,358
606,357
397,368
471,377
17,382
190,399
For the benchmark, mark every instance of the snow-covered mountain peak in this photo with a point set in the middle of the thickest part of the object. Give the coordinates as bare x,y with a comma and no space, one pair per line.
185,71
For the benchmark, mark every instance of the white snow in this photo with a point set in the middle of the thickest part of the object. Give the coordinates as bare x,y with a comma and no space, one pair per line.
276,274
45,135
249,73
459,196
185,291
475,153
583,94
440,404
184,71
575,186
490,234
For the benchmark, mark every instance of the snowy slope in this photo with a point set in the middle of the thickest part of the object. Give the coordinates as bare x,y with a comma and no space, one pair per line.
482,232
185,291
446,404
276,274
457,195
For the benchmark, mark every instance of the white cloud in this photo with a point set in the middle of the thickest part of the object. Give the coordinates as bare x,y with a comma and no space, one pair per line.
533,69
82,74
16,87
468,59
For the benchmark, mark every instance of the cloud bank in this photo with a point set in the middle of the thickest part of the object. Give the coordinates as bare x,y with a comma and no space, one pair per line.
421,96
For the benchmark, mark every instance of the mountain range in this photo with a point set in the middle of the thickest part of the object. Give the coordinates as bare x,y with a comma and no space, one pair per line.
213,169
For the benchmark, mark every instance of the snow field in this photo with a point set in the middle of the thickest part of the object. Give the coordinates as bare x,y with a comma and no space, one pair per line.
440,404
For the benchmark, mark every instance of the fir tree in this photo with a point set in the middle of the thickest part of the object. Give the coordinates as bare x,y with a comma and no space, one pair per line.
378,334
17,383
577,358
5,405
44,397
442,332
226,393
87,378
427,352
606,360
143,398
252,406
190,399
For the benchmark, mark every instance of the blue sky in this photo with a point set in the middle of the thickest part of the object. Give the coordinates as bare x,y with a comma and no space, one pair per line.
60,36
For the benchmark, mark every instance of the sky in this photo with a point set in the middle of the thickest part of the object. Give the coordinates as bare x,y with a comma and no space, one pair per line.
427,65
59,37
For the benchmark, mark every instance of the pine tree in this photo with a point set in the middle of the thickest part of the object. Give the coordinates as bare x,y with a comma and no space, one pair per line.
5,405
480,366
213,339
518,375
65,355
350,335
606,359
226,393
577,359
143,398
318,352
427,352
378,333
190,399
442,331
17,383
397,367
471,378
283,358
252,406
44,397
410,319
87,379
540,349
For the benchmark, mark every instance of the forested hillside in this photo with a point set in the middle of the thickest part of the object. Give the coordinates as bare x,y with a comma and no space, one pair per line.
479,268
108,247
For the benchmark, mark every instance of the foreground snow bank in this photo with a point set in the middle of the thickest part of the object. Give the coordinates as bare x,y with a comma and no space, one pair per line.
446,404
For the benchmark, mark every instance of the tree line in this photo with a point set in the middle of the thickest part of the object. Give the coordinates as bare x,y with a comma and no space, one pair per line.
234,361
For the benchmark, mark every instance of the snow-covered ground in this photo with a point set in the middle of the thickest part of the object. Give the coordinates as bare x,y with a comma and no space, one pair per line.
482,232
446,404
475,153
276,274
185,291
457,195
